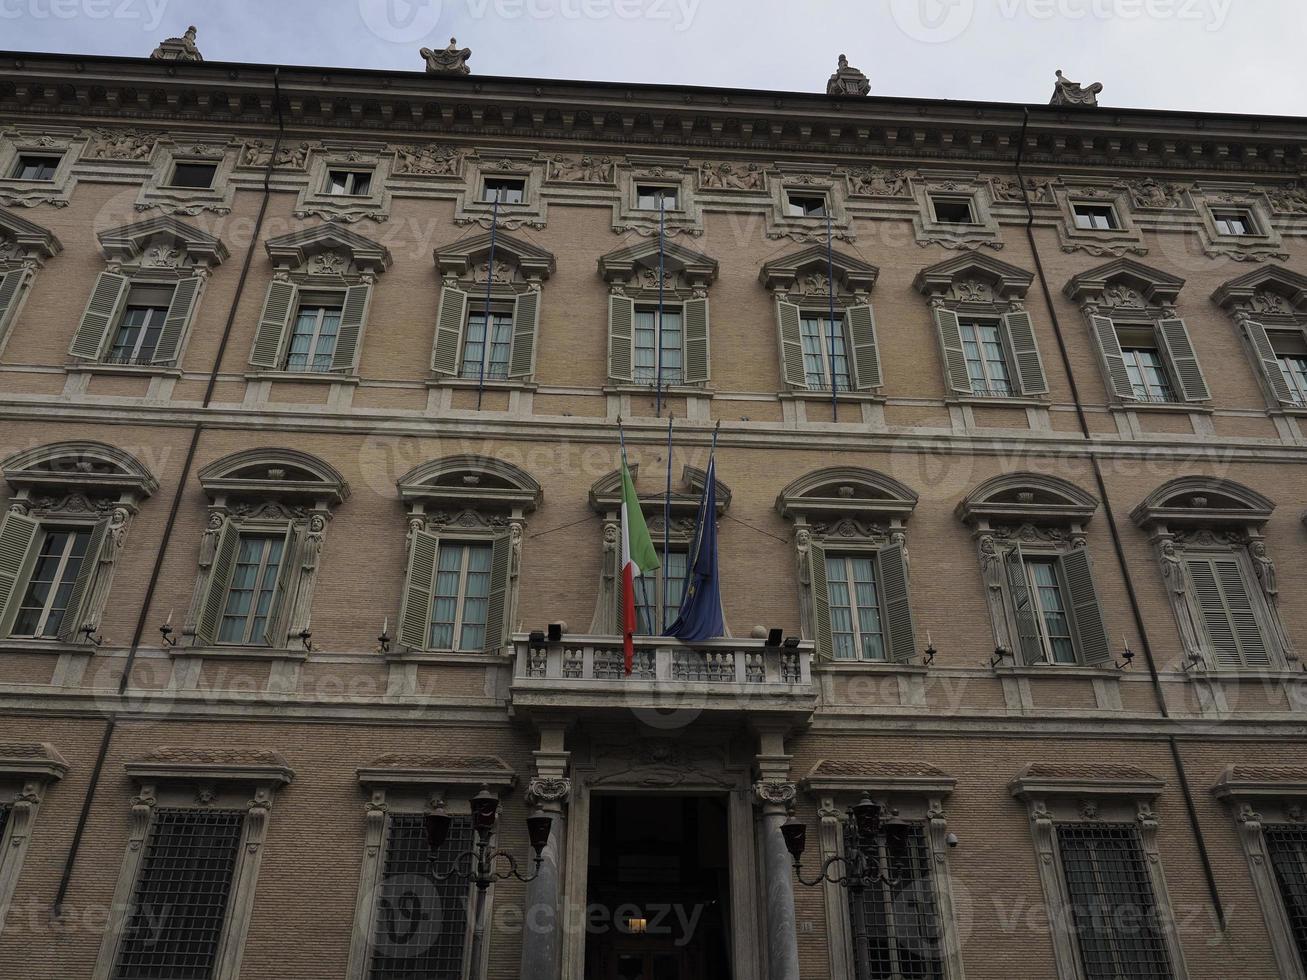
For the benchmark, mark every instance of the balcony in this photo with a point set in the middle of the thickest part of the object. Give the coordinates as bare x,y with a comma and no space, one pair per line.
718,677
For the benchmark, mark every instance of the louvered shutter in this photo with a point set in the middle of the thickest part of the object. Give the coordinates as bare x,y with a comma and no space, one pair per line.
75,612
180,310
526,321
825,645
900,637
9,283
787,319
621,338
1211,606
419,587
215,590
1269,362
1243,619
277,626
100,315
949,331
1030,369
449,331
1184,361
1031,650
497,606
353,318
18,535
1086,612
860,323
695,312
274,325
1109,346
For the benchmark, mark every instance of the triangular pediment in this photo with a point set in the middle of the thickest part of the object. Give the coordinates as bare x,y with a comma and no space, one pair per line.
852,274
27,237
162,234
1155,286
1273,286
620,265
1007,281
294,250
458,258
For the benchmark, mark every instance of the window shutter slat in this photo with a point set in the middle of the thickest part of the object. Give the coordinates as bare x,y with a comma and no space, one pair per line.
787,319
497,606
99,317
353,318
526,321
1207,593
1086,611
825,645
899,633
1023,607
949,331
1030,368
449,331
180,310
1110,347
9,283
1184,360
17,537
215,591
860,322
277,627
621,338
1243,619
695,313
1268,362
274,324
75,612
419,587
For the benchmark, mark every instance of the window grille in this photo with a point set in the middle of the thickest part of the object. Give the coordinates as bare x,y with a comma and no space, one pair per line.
901,917
1287,846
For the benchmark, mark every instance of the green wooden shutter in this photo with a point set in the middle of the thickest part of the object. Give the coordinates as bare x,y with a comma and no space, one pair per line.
277,625
1183,360
215,590
1030,369
1087,614
821,631
1269,362
1118,378
901,641
1243,619
696,340
1211,606
75,613
1030,649
9,283
449,331
526,321
621,338
419,588
860,323
787,319
949,331
180,311
274,325
100,316
353,318
18,534
497,607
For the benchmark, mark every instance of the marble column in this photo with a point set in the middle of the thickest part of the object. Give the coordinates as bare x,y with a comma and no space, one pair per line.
541,928
782,934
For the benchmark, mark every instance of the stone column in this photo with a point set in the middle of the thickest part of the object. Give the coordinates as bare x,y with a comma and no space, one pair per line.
541,925
782,938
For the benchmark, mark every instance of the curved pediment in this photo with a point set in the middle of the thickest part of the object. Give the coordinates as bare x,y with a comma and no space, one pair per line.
343,247
788,272
472,481
606,492
20,238
973,276
1271,289
78,466
460,258
620,266
1028,497
274,472
1153,286
1203,500
846,491
162,241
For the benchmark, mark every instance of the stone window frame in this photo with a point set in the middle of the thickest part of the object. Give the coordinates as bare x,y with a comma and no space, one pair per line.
1258,796
404,783
678,172
80,484
28,771
270,491
231,778
527,165
469,499
1211,517
158,192
983,231
1126,240
811,179
1090,793
24,248
1047,519
67,144
1265,243
315,201
160,251
1271,298
914,791
867,513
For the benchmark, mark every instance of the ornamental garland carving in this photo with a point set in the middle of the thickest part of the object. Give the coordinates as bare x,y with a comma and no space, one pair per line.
851,527
465,519
776,792
1290,199
878,182
1152,193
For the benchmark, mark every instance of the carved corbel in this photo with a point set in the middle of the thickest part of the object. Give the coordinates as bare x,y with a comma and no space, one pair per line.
138,819
256,819
775,794
374,816
551,792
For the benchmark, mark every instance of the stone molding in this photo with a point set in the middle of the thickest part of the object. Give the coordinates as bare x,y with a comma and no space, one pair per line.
27,771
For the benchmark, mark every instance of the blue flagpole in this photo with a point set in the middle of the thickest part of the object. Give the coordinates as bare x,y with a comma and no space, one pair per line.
490,278
667,522
830,282
658,339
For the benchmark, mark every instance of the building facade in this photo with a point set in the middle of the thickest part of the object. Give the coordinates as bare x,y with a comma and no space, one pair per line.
310,384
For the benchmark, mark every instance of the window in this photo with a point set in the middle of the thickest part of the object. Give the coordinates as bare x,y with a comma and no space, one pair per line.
806,206
137,338
650,340
480,359
33,167
1096,217
196,176
824,351
1050,603
987,366
1228,617
855,607
1237,222
53,579
249,597
953,210
313,337
349,183
462,593
508,190
1112,907
179,903
1286,845
1144,364
901,917
649,587
1291,353
649,197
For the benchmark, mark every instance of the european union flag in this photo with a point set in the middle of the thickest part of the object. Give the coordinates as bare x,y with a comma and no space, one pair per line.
700,615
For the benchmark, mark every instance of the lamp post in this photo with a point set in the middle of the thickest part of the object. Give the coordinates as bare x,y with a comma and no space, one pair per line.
866,830
481,861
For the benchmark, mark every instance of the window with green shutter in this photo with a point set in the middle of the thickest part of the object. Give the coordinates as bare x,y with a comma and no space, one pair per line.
1150,360
455,593
47,570
1054,607
860,601
1228,611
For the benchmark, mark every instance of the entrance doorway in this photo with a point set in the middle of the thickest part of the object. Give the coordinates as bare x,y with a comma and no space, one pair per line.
658,895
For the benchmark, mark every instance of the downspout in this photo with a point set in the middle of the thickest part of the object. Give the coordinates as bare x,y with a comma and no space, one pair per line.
1117,546
138,633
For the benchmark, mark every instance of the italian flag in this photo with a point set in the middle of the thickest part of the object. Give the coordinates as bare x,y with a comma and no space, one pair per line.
638,558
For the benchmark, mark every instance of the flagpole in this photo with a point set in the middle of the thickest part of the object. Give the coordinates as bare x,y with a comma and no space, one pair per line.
658,339
667,524
830,283
490,278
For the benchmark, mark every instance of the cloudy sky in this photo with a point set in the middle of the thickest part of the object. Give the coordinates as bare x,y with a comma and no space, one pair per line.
1215,55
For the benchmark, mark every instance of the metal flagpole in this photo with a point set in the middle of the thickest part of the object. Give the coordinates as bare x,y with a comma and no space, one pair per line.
490,278
830,283
658,339
667,521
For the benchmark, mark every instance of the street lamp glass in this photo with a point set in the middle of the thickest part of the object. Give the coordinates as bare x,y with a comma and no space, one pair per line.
537,827
796,835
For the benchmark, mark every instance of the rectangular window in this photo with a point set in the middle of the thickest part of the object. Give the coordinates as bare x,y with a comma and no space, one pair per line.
458,616
138,331
1238,222
1050,598
491,359
650,197
1286,844
806,206
982,342
1096,217
650,341
1112,906
421,923
349,183
197,176
179,903
1291,351
1144,363
1225,604
824,346
35,167
900,917
245,616
953,210
649,587
853,597
45,601
509,190
313,339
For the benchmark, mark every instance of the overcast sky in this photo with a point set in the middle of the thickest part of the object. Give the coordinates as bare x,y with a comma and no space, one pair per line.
1214,55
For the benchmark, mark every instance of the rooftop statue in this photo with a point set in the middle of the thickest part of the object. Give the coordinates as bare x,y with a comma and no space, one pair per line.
178,48
448,61
848,80
1068,92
